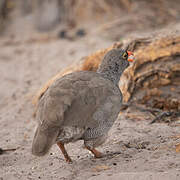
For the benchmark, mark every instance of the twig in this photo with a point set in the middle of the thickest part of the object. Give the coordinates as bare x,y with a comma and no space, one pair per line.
165,114
162,115
5,150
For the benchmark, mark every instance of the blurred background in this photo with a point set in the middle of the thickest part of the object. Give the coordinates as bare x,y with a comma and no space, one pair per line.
116,18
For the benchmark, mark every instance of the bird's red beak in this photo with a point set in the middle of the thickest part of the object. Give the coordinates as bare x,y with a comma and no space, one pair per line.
130,56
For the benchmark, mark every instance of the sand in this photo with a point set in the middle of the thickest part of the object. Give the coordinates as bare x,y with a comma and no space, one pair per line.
134,150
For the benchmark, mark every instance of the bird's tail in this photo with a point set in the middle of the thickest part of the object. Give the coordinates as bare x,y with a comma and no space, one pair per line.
43,140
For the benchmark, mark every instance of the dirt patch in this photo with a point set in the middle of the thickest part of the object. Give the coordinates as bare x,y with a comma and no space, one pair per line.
134,147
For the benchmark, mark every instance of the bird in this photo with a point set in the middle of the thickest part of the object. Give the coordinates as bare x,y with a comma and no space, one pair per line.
81,106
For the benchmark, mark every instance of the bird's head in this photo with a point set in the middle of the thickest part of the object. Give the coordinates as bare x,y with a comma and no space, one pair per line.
115,62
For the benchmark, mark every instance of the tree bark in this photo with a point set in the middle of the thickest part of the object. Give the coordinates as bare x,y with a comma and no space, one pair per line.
154,76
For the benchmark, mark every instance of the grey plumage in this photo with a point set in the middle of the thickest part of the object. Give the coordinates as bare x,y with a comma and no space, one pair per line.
81,105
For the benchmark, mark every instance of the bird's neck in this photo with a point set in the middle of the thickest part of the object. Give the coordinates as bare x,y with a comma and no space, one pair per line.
111,75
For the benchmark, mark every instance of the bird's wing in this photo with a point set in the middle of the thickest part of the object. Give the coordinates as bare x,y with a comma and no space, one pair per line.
73,99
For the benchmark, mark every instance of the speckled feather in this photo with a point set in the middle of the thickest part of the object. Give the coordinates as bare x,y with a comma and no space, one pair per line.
80,105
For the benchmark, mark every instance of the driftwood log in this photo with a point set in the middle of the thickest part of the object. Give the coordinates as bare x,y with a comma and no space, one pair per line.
154,77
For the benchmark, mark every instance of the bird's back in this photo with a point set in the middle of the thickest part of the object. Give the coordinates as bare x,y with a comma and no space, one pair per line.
73,99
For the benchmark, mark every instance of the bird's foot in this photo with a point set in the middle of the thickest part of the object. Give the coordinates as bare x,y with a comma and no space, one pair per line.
68,160
96,153
63,150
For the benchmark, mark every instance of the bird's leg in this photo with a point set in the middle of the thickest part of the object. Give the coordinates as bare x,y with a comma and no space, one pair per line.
63,150
96,153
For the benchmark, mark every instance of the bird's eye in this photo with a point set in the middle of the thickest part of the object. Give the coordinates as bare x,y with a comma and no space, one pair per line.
125,55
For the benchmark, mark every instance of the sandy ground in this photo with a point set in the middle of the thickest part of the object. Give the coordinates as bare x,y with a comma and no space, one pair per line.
134,150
